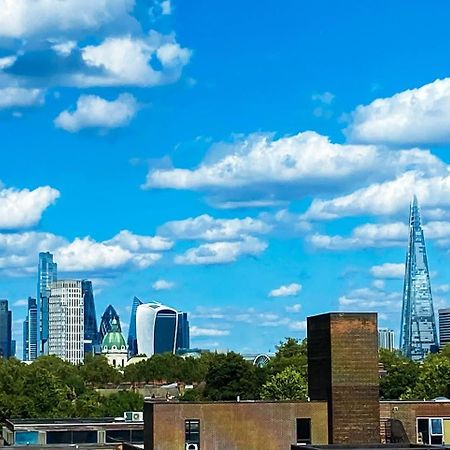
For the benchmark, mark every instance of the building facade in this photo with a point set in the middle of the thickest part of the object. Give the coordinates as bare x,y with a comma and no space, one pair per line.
132,335
418,335
47,274
66,321
5,330
183,338
108,316
444,327
30,332
91,336
157,328
386,339
114,347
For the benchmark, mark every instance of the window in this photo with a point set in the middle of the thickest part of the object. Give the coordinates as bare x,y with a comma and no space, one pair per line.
59,437
430,431
137,436
84,437
27,437
118,436
304,431
192,435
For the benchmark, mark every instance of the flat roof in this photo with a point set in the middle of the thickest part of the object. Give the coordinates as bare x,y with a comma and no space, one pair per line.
72,422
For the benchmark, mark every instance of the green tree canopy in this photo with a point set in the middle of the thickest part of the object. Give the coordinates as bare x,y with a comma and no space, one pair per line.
286,385
290,353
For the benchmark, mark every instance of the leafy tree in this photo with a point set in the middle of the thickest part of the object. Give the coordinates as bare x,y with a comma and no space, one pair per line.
434,378
290,353
401,375
230,376
116,404
97,371
286,385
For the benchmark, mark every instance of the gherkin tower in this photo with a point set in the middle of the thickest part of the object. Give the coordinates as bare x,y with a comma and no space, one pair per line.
418,327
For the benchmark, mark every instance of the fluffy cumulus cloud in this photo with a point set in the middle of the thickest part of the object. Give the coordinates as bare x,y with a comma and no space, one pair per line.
19,250
388,271
287,290
16,97
136,243
128,60
222,252
49,18
413,117
387,198
265,169
163,285
208,228
20,208
95,112
369,235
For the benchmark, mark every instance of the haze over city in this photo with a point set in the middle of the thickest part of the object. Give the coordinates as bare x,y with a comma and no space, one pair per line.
252,165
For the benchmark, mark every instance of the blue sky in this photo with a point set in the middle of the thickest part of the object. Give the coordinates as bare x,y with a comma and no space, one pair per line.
250,162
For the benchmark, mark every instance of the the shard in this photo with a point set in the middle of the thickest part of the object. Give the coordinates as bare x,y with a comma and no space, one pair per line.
418,335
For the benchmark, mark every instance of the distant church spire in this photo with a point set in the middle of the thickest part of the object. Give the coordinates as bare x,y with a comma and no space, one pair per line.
418,327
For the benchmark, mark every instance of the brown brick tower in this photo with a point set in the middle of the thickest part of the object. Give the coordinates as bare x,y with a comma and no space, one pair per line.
343,369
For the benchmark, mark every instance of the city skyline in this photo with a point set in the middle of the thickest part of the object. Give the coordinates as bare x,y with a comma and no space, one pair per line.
249,172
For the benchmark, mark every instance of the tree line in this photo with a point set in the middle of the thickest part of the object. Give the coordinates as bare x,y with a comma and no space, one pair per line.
51,387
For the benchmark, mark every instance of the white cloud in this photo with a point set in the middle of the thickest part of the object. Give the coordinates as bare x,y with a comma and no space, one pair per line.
127,60
25,18
286,290
166,7
412,117
369,235
198,331
208,228
298,325
133,242
64,48
265,169
325,97
441,288
390,197
20,208
222,252
95,112
16,97
294,308
163,285
18,251
371,299
388,271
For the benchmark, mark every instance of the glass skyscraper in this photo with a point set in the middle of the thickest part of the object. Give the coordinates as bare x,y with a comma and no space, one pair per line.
5,330
183,331
418,326
132,336
47,274
30,332
91,336
106,322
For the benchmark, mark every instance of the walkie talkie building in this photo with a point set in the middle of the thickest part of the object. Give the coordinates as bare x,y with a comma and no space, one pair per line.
418,327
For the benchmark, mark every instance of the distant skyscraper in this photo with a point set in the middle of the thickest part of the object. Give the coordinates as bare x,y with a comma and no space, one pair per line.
5,330
386,339
91,337
157,327
444,327
132,337
183,331
30,332
47,274
418,327
106,322
66,321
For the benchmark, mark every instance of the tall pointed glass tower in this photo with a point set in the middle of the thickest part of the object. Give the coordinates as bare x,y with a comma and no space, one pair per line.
418,328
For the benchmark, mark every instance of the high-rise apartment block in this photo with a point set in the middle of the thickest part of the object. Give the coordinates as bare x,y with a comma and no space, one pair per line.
5,330
386,339
418,335
66,321
47,274
444,327
30,332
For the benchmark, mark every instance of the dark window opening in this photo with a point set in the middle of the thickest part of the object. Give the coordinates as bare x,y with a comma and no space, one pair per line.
304,431
118,435
192,434
137,436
